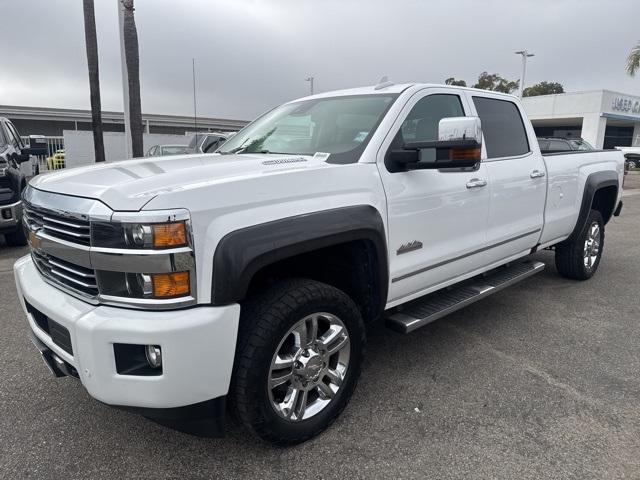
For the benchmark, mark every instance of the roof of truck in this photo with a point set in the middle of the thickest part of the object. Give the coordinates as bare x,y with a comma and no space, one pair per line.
393,88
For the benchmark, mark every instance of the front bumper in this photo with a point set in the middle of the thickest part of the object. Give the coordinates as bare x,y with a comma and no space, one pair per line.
198,345
10,216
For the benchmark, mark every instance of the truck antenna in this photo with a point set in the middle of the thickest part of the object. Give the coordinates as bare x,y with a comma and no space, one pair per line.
383,83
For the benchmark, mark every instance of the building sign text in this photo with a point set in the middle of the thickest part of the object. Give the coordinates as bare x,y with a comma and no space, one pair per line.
622,104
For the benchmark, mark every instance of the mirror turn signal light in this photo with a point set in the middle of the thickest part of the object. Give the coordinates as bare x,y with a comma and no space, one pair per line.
169,285
169,235
464,154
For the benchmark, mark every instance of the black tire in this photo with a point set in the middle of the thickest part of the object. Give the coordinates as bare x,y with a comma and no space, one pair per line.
570,256
17,238
265,321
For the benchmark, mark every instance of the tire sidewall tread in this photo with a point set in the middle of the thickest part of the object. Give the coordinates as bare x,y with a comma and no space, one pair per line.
265,319
569,256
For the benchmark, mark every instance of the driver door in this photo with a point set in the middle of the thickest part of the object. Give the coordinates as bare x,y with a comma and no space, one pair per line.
437,219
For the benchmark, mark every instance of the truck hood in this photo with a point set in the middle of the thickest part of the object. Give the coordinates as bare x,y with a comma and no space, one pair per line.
129,185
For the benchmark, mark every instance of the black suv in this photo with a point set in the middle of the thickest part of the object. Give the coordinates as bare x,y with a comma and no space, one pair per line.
12,183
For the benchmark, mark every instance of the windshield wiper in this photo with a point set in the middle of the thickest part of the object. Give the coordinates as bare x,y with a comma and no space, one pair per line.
238,149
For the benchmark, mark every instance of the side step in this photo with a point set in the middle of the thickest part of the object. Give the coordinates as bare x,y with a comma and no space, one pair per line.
429,308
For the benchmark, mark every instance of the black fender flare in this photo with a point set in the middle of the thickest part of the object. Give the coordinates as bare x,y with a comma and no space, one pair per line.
594,182
242,253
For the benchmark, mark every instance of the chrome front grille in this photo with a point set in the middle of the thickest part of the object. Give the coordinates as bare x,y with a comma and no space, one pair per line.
75,277
73,229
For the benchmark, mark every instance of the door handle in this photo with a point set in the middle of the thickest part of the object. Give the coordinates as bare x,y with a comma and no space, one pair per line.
476,183
537,174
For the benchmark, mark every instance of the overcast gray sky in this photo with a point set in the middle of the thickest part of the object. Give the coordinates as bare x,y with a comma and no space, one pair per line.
254,54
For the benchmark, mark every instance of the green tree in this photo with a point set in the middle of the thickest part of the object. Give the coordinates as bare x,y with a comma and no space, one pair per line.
453,81
543,88
91,43
132,59
633,60
496,83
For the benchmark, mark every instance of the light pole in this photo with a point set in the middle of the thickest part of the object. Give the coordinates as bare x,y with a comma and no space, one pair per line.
125,85
310,80
524,55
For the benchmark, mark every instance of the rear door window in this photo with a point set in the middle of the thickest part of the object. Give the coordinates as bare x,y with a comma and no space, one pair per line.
502,126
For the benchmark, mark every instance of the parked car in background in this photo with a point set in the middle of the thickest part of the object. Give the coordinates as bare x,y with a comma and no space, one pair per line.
558,144
632,156
12,183
181,288
163,150
207,142
57,160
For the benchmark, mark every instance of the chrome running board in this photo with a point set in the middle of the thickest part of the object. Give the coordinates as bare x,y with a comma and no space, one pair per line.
424,310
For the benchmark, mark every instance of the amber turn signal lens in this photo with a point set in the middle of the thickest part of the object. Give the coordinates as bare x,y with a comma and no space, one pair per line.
167,285
464,154
169,235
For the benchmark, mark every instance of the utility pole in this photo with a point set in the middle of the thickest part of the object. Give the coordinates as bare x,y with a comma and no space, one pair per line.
195,115
524,55
125,84
310,80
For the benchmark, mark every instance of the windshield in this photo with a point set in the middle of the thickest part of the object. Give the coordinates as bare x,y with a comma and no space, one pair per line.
340,126
580,145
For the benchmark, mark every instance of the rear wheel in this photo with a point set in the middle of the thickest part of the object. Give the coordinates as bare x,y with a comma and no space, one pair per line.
298,361
579,258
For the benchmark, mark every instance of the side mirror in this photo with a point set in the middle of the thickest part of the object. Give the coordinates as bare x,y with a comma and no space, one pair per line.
23,156
459,145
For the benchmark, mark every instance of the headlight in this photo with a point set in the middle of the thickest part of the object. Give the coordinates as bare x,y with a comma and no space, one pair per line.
144,259
151,286
146,230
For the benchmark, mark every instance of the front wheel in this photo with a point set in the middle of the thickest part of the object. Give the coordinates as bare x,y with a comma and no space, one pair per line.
299,356
579,258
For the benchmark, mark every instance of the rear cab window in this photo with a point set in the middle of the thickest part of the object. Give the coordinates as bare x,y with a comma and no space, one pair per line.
502,126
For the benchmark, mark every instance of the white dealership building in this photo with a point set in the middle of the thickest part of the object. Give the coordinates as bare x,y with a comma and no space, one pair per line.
603,118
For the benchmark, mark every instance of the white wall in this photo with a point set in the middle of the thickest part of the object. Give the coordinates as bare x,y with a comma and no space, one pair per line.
563,105
78,145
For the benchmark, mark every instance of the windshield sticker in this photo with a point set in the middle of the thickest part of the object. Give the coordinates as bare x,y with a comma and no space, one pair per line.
360,137
321,156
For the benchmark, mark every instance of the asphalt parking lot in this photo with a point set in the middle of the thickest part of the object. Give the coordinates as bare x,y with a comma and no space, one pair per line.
538,381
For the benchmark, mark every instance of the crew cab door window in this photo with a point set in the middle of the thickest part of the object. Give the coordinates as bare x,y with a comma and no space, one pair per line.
502,126
421,125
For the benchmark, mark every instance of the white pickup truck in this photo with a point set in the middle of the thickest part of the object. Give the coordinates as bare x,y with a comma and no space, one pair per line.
178,285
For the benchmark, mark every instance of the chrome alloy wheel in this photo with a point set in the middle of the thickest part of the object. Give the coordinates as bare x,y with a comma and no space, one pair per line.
592,245
309,366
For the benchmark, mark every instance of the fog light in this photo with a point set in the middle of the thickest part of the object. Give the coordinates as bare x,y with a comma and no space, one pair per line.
154,355
6,214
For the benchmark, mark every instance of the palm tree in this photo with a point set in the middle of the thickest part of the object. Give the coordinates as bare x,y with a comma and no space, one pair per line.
132,60
91,41
633,60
